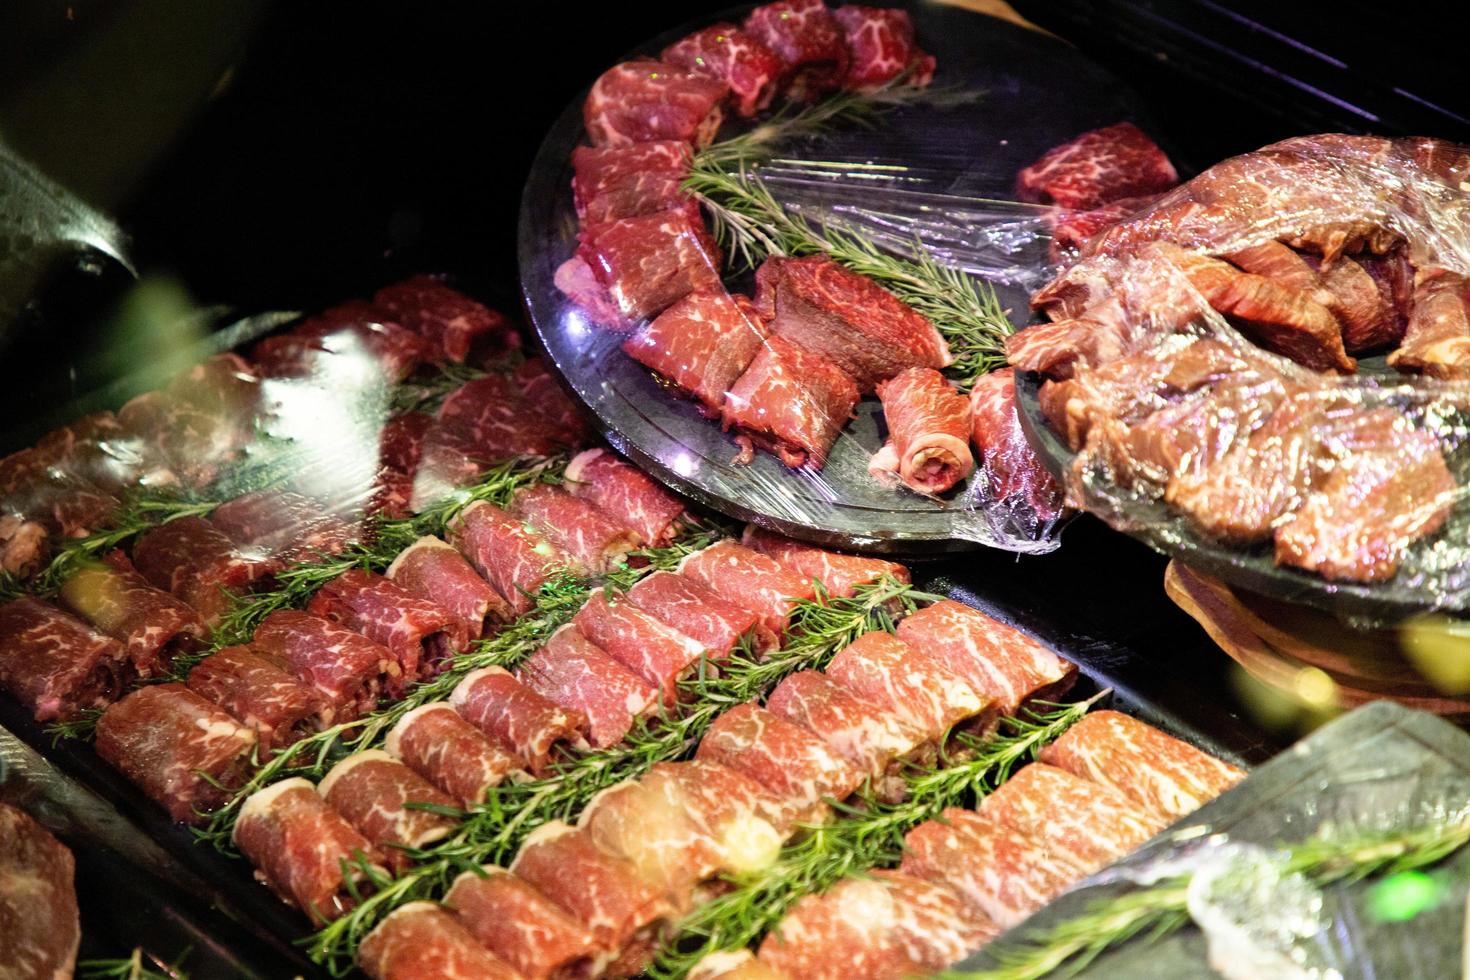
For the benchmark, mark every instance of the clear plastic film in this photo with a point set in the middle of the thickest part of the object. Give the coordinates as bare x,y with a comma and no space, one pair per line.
1264,372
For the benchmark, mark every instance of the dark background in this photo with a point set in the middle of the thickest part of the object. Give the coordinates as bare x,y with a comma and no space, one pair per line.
286,155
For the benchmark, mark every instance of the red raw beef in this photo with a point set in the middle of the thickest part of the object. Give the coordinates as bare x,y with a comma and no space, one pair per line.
652,261
928,431
197,562
1011,465
369,329
284,525
197,444
513,558
725,52
649,648
626,494
259,691
793,401
64,504
346,669
866,330
518,719
402,443
580,676
55,664
729,807
645,100
498,421
433,570
749,579
1072,230
522,926
304,851
700,614
624,913
578,283
912,683
839,574
98,450
809,42
423,635
544,394
866,734
703,343
435,742
613,182
881,40
25,546
593,539
391,497
373,791
422,939
460,328
1099,167
185,753
153,625
40,928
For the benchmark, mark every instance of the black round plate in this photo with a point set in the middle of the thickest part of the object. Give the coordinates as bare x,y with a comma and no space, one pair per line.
1433,577
1039,92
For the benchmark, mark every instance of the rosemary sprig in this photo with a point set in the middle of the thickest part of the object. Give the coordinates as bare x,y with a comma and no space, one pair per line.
861,837
1161,909
133,968
493,831
752,225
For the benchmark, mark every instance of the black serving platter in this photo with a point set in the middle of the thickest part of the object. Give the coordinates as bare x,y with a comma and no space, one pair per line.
1434,576
1382,767
1038,92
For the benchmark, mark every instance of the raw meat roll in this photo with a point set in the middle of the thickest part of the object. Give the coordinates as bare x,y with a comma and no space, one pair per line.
433,570
371,789
40,926
492,420
865,734
1012,468
703,343
283,525
55,664
638,641
197,562
460,328
654,833
839,574
346,669
740,817
513,558
594,540
260,691
435,742
701,614
152,625
578,675
423,941
910,682
749,580
625,494
793,402
519,719
523,927
928,431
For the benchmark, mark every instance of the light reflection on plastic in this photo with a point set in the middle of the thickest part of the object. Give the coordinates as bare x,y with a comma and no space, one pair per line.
575,324
685,464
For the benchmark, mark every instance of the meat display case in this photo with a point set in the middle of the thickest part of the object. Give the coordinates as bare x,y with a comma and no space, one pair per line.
343,152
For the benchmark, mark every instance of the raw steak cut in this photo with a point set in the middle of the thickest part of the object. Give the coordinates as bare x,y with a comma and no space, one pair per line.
881,42
650,262
809,42
613,182
726,53
1099,167
645,100
703,343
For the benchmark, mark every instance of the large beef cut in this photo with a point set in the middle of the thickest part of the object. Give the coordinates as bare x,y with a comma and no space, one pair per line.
184,752
650,262
869,332
55,664
791,400
726,53
644,100
928,432
612,182
1097,168
881,42
703,343
40,928
809,42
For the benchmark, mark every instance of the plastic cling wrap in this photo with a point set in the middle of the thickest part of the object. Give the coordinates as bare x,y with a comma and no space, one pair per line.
1267,369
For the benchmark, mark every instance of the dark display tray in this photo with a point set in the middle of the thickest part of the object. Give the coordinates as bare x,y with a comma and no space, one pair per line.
1381,767
1038,92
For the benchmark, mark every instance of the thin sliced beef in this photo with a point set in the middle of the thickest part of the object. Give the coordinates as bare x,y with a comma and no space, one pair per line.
793,401
1156,771
433,570
182,751
1012,468
537,729
458,327
259,691
304,850
55,664
346,669
882,47
420,940
373,791
741,818
497,422
928,432
869,332
1097,168
655,652
435,742
423,635
644,100
626,494
523,927
750,580
613,182
653,832
839,574
809,42
690,608
724,52
197,562
284,525
545,395
649,262
916,686
579,676
703,343
153,625
866,734
40,926
594,540
513,558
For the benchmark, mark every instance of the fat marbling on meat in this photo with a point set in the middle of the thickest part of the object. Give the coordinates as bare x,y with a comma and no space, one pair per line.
1096,168
703,343
519,719
40,927
431,569
882,46
807,39
346,669
791,400
537,937
928,432
866,734
512,557
259,691
649,262
613,182
751,580
659,654
726,53
421,940
460,328
701,614
626,494
580,676
56,665
911,682
437,743
645,100
153,625
373,790
594,539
